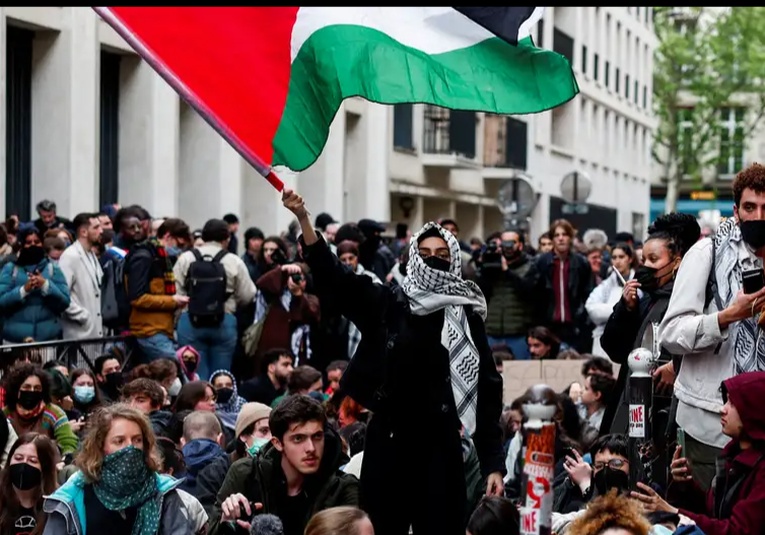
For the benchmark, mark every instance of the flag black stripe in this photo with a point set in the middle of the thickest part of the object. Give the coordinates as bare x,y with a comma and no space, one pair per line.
503,22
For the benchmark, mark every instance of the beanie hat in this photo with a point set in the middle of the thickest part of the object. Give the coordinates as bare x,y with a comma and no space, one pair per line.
250,413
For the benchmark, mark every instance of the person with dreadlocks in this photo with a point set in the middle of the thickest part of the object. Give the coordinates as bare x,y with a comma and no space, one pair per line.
669,238
425,370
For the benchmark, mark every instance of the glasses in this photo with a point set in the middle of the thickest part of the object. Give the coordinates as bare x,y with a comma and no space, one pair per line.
613,464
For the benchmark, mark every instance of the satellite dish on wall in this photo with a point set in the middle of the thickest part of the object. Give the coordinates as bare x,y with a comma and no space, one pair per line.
516,198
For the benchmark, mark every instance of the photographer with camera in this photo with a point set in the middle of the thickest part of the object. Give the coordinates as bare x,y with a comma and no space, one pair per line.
287,311
506,276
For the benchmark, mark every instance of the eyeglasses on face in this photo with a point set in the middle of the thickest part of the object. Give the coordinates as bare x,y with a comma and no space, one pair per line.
614,464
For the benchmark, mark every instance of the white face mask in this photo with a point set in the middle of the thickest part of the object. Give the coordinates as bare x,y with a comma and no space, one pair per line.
175,388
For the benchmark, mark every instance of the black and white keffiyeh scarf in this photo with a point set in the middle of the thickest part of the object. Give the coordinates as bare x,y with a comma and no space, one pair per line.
430,290
732,256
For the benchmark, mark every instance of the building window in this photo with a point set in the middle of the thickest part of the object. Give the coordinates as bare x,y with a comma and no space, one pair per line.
449,131
403,135
595,66
616,80
608,71
645,97
563,44
584,59
685,141
627,86
636,92
18,122
731,130
505,142
110,140
516,143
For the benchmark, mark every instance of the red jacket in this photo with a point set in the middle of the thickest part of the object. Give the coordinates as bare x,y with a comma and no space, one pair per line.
743,512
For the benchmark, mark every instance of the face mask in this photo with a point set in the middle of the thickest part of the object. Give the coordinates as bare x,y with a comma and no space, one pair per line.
224,395
84,394
257,445
318,396
175,388
191,365
114,380
753,233
608,479
439,264
124,472
29,399
30,256
25,476
648,277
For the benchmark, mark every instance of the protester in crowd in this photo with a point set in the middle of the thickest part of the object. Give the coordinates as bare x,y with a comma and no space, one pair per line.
335,371
147,396
85,395
713,323
209,322
493,516
28,407
596,396
188,358
340,521
48,218
118,486
61,396
543,343
735,502
29,476
305,456
613,514
202,440
254,240
602,299
251,434
109,376
196,396
33,293
272,382
164,371
387,375
228,403
669,239
303,380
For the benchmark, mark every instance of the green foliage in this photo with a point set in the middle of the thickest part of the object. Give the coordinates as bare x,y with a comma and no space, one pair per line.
708,59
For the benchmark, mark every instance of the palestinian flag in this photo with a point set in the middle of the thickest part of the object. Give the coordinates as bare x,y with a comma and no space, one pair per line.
270,79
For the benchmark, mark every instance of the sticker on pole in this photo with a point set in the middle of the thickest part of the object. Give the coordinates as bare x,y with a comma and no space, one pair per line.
637,421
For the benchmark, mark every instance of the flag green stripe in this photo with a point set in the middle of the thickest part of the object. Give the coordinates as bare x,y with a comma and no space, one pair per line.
342,61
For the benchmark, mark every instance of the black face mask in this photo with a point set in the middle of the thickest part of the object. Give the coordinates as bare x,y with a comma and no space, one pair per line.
439,264
25,476
29,399
402,268
753,233
114,380
648,277
191,365
30,256
224,394
608,478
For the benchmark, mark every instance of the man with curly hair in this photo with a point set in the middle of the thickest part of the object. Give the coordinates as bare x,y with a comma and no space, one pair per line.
712,320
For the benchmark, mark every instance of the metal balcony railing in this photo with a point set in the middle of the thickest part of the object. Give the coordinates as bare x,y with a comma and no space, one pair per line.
449,132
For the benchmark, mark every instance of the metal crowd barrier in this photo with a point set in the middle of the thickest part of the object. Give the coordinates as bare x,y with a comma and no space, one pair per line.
75,353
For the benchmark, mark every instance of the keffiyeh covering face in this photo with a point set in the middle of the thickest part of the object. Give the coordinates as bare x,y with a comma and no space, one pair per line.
430,290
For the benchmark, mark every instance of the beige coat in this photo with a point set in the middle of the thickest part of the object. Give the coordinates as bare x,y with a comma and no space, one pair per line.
83,275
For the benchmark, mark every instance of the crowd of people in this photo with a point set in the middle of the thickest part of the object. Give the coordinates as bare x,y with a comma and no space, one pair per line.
330,380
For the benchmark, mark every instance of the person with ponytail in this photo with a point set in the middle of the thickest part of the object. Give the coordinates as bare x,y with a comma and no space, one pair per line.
669,238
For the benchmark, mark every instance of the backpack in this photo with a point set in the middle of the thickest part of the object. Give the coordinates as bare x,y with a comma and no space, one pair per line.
206,287
115,306
711,289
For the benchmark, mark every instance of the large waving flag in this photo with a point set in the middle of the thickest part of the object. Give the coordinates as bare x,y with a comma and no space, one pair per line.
270,79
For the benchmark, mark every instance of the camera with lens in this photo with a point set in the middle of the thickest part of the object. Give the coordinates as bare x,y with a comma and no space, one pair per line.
297,278
492,256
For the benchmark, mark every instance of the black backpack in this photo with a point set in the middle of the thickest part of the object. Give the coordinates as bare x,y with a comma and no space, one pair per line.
206,287
115,306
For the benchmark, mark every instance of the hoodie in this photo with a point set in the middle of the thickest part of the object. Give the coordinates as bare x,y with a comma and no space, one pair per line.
198,453
735,505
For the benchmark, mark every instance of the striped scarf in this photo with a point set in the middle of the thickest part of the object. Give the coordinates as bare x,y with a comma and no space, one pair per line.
167,276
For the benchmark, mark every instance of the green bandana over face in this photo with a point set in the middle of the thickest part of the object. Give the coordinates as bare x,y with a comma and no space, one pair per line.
127,482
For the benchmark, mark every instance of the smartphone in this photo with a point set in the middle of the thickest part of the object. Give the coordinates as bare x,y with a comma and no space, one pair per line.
681,440
753,280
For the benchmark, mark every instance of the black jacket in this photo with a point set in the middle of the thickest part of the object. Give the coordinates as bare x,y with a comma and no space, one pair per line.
580,285
397,366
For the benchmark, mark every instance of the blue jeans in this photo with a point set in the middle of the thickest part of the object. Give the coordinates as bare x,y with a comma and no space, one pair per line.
216,345
517,345
156,347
